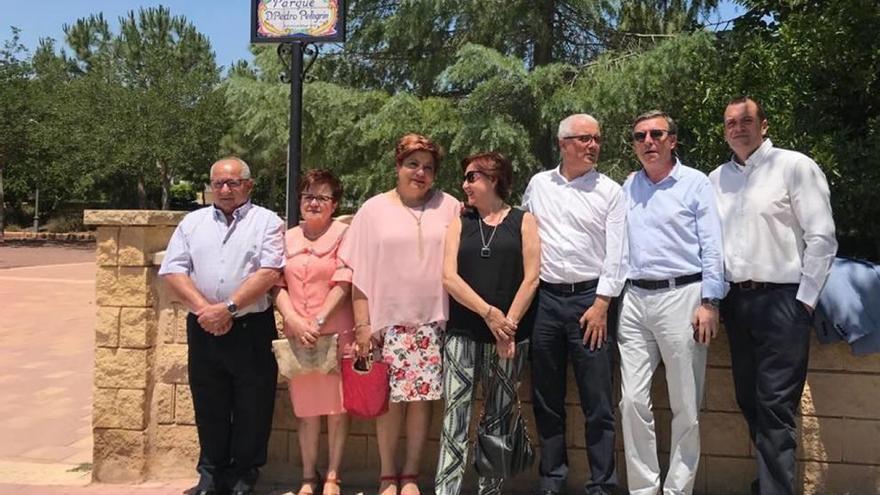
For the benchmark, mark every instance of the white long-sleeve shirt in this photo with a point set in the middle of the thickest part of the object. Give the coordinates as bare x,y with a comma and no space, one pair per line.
776,220
581,225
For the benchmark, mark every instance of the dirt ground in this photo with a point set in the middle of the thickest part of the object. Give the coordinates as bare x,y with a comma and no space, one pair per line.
15,254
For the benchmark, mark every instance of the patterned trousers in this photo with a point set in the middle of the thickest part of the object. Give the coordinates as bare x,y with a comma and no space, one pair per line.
465,363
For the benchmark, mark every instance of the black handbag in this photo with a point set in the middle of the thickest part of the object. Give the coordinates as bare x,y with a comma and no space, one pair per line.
506,455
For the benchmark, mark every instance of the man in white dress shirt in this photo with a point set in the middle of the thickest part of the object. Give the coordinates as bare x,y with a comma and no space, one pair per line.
221,262
779,244
580,215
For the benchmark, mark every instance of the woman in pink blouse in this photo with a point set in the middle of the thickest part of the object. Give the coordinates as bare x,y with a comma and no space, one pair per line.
395,248
314,299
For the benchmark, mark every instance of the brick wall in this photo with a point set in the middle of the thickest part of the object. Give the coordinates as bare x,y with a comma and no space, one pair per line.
144,426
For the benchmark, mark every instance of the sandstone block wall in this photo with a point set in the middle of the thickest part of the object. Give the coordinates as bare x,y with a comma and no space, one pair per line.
143,416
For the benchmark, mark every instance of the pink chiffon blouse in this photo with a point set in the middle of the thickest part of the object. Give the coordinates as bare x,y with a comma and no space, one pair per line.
382,249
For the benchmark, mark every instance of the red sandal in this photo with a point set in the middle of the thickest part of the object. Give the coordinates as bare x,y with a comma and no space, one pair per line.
409,479
390,480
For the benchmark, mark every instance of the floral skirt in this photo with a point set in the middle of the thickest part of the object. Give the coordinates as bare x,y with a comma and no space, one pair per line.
413,357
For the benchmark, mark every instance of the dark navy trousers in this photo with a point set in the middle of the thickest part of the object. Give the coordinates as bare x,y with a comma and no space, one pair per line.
556,339
769,334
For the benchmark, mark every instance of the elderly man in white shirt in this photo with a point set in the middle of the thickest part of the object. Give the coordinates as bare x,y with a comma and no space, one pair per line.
779,244
580,215
221,262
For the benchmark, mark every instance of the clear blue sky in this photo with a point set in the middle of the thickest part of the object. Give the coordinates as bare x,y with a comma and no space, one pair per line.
224,22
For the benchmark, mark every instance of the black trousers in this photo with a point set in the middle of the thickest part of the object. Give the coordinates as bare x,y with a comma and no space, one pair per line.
558,337
233,379
769,334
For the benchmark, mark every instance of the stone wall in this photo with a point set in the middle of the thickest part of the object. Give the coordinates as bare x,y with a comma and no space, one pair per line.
143,416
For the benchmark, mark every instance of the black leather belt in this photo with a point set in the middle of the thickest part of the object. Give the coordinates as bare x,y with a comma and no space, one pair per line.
665,284
572,288
752,285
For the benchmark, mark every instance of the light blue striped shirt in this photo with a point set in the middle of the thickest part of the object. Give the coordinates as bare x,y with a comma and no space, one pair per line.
220,257
673,229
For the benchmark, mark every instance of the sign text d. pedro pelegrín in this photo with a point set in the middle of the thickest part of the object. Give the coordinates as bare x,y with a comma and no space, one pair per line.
297,18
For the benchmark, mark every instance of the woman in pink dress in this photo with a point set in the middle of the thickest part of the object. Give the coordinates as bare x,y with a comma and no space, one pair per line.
395,248
314,299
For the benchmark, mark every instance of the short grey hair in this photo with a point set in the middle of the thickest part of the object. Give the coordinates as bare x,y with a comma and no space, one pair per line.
566,124
654,114
245,169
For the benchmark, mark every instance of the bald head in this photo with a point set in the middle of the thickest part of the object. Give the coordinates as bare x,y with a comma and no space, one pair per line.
233,165
231,183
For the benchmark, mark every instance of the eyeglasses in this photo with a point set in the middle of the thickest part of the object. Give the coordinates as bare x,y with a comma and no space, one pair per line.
473,175
231,183
586,138
320,198
656,135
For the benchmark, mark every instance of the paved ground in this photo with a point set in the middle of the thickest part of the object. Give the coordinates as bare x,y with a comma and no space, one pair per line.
47,320
46,357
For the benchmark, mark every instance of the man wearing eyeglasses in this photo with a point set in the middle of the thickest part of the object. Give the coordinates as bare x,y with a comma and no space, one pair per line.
669,308
220,262
779,244
580,215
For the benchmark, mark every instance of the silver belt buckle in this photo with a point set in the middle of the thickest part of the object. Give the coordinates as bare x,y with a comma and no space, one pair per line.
571,287
671,283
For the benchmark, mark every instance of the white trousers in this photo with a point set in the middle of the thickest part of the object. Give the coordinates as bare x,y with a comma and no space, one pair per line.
655,325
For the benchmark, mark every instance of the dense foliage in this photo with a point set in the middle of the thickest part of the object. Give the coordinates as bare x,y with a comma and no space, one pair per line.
127,114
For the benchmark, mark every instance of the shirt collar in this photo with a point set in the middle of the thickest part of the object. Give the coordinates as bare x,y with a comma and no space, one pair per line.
586,176
674,174
239,212
756,157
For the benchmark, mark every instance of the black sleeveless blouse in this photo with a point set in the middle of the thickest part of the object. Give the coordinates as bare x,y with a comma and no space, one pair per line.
496,277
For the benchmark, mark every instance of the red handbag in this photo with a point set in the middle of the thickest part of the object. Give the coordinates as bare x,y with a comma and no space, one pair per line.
364,387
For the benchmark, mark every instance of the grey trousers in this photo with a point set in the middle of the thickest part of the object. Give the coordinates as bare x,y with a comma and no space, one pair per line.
465,363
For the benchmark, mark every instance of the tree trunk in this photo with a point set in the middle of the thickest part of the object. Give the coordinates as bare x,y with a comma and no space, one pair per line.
543,49
544,148
142,194
166,184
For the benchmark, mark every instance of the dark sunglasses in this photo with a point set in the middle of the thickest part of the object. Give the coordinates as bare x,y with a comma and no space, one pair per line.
586,138
656,135
473,175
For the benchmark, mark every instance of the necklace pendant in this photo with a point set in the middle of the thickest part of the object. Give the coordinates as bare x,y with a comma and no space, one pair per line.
485,252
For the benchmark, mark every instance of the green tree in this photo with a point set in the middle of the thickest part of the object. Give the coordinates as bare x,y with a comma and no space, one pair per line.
141,107
814,66
14,110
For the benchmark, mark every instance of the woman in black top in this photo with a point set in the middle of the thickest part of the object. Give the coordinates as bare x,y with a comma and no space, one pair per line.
490,269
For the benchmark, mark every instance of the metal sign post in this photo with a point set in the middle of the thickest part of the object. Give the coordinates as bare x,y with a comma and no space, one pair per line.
296,24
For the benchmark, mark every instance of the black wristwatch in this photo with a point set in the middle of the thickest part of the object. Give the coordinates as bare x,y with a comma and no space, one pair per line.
712,301
231,306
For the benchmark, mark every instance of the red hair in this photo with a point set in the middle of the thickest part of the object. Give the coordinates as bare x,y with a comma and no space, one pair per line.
410,143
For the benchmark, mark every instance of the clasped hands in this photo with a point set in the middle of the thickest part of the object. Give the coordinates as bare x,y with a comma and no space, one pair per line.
504,330
304,332
215,319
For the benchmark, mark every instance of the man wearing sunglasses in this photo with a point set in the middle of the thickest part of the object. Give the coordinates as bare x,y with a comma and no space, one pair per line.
580,215
669,309
221,262
779,244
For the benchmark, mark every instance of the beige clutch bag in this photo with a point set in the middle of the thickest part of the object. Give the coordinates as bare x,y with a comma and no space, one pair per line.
294,359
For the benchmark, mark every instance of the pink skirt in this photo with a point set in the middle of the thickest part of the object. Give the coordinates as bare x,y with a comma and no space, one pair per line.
320,394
